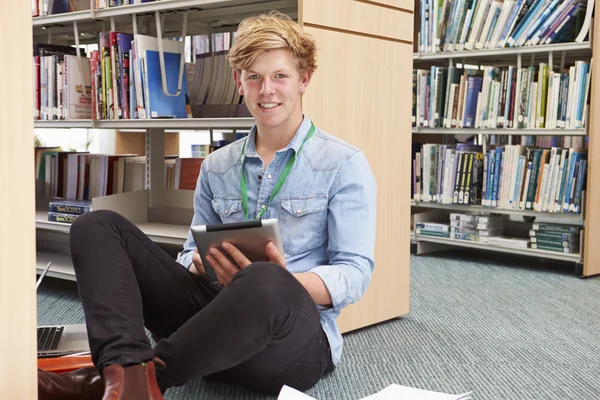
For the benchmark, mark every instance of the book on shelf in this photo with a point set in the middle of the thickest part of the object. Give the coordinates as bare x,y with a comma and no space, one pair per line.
489,24
62,87
40,8
123,80
84,176
500,98
66,211
70,206
555,237
512,177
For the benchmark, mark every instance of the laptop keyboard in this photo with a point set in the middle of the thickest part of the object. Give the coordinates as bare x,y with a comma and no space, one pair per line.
49,338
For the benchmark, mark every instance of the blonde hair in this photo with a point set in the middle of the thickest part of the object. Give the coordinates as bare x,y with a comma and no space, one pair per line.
273,30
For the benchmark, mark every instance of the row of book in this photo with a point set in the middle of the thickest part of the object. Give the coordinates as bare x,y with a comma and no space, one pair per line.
489,229
511,177
83,176
123,79
509,97
62,88
66,211
40,8
454,25
474,228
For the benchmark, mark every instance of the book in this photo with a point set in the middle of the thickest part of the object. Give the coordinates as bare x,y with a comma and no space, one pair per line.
158,103
61,217
70,207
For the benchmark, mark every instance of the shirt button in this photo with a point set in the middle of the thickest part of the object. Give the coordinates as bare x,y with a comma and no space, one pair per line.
226,211
263,206
259,177
269,176
298,211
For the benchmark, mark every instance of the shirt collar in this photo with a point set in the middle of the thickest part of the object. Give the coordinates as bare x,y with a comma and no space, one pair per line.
295,143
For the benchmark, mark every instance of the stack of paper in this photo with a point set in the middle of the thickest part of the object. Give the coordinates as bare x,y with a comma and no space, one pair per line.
392,392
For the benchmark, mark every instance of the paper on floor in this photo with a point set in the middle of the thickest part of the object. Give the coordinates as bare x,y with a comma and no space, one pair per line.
392,392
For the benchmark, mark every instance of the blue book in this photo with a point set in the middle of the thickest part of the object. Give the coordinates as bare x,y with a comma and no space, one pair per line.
497,171
581,177
525,22
160,104
541,18
571,175
473,88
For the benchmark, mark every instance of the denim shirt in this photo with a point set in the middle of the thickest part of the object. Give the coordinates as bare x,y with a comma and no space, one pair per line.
326,211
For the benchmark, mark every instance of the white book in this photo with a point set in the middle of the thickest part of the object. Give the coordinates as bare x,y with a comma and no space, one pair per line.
527,179
480,16
496,5
79,87
507,7
570,96
552,170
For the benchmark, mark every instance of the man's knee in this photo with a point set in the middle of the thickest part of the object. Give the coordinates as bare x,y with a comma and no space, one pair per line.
270,283
84,222
86,227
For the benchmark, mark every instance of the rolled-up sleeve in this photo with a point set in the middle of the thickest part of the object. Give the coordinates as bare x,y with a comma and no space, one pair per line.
203,214
351,225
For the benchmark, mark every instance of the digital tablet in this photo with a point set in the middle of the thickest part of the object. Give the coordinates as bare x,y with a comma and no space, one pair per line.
250,238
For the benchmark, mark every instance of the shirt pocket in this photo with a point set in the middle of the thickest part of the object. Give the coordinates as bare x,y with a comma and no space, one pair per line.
302,222
228,208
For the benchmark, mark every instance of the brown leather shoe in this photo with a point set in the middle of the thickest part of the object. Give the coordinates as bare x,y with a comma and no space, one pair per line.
137,382
84,383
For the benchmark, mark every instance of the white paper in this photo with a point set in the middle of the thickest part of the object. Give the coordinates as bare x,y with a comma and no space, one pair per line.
392,392
395,392
288,393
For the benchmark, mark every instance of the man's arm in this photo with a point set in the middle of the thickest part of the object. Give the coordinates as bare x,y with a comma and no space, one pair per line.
351,238
315,286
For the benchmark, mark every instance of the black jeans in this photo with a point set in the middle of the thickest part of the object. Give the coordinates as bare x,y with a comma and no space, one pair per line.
261,331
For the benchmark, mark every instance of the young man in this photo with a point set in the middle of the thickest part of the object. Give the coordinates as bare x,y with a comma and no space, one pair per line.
263,324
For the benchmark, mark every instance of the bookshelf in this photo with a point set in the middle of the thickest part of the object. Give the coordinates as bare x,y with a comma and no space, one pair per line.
559,54
348,43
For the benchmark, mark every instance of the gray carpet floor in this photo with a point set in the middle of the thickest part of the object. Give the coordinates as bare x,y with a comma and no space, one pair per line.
504,328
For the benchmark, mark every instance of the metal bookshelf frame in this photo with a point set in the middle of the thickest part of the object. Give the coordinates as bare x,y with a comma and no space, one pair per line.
502,249
183,123
559,218
505,132
583,49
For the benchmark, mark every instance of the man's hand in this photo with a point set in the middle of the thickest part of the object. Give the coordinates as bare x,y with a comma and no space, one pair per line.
225,268
197,268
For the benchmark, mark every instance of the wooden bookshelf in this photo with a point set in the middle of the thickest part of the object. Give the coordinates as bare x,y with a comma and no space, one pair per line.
553,54
363,32
18,339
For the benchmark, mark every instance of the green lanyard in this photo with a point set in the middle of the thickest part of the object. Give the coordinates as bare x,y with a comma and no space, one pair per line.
278,185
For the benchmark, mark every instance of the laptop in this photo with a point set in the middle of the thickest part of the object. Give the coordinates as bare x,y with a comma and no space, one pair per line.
60,340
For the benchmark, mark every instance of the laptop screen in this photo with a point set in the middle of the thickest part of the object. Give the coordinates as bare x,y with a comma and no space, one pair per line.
42,275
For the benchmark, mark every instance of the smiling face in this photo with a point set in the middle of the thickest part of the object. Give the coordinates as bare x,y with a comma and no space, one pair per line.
272,88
